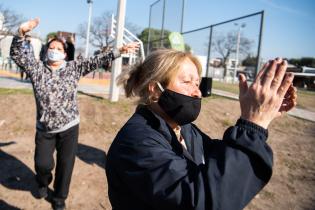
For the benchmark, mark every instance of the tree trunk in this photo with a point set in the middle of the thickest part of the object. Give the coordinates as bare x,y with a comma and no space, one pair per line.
225,65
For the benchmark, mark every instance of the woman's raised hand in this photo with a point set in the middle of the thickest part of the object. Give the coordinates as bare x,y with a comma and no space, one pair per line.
129,48
269,95
28,26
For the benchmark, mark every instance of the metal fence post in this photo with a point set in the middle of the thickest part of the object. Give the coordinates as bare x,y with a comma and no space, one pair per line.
259,42
162,30
209,52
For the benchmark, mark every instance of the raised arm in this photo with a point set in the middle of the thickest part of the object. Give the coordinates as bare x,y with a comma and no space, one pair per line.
239,166
234,169
86,66
269,95
21,50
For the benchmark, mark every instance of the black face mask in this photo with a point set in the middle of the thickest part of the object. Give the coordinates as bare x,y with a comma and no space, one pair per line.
181,108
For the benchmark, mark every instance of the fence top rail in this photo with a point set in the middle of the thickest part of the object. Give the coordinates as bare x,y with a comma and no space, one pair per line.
210,26
154,3
227,21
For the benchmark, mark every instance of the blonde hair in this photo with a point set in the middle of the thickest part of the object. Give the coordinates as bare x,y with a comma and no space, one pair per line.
160,66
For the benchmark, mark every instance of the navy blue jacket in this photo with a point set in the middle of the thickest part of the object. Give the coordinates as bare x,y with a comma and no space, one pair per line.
147,168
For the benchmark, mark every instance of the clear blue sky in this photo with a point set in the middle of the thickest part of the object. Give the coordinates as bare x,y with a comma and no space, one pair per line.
289,28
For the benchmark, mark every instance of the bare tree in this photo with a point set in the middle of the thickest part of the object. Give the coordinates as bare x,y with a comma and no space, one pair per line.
225,45
100,30
11,22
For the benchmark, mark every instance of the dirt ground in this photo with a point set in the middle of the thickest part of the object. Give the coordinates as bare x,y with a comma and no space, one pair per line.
293,141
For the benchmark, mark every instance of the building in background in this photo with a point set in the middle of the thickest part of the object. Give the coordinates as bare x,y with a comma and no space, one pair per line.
5,45
69,39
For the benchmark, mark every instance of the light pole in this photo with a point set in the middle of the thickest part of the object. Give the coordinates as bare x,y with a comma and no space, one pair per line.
149,38
88,29
1,30
116,67
1,21
238,40
182,18
163,20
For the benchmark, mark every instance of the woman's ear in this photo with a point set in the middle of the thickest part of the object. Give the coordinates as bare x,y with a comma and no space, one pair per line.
154,91
151,87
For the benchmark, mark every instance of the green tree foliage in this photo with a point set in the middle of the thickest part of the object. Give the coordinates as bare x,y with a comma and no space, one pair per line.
155,39
51,35
187,48
304,61
249,61
294,61
310,62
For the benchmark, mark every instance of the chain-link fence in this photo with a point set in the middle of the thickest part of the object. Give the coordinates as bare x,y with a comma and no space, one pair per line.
224,48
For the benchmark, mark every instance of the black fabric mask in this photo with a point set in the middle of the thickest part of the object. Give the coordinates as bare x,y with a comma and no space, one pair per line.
181,108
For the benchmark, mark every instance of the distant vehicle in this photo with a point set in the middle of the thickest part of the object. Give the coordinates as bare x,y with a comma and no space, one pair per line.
249,72
306,69
304,77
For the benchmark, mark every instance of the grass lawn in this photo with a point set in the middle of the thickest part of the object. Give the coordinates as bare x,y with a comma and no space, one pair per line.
306,99
229,87
9,91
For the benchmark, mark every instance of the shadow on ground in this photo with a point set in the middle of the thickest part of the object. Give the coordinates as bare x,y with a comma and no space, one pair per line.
91,155
15,175
90,95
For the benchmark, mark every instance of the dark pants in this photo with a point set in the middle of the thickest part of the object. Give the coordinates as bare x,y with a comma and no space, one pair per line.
66,145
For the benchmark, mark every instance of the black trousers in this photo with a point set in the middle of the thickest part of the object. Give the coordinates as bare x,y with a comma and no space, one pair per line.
65,143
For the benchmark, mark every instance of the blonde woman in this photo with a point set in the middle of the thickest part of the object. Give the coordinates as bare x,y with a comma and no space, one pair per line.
161,160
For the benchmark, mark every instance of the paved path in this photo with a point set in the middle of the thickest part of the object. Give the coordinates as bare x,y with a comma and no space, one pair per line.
86,85
11,82
296,112
101,86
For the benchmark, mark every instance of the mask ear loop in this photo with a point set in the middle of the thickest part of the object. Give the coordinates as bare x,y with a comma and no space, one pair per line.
160,86
154,99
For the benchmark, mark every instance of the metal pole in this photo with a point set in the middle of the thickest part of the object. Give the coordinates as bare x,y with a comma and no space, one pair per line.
1,21
149,30
88,29
116,68
1,30
259,42
162,30
182,19
231,20
209,52
237,49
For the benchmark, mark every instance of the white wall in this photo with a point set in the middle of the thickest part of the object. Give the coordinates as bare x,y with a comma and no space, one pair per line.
5,45
203,61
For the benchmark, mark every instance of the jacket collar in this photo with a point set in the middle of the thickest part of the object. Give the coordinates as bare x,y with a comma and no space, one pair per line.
62,66
159,124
